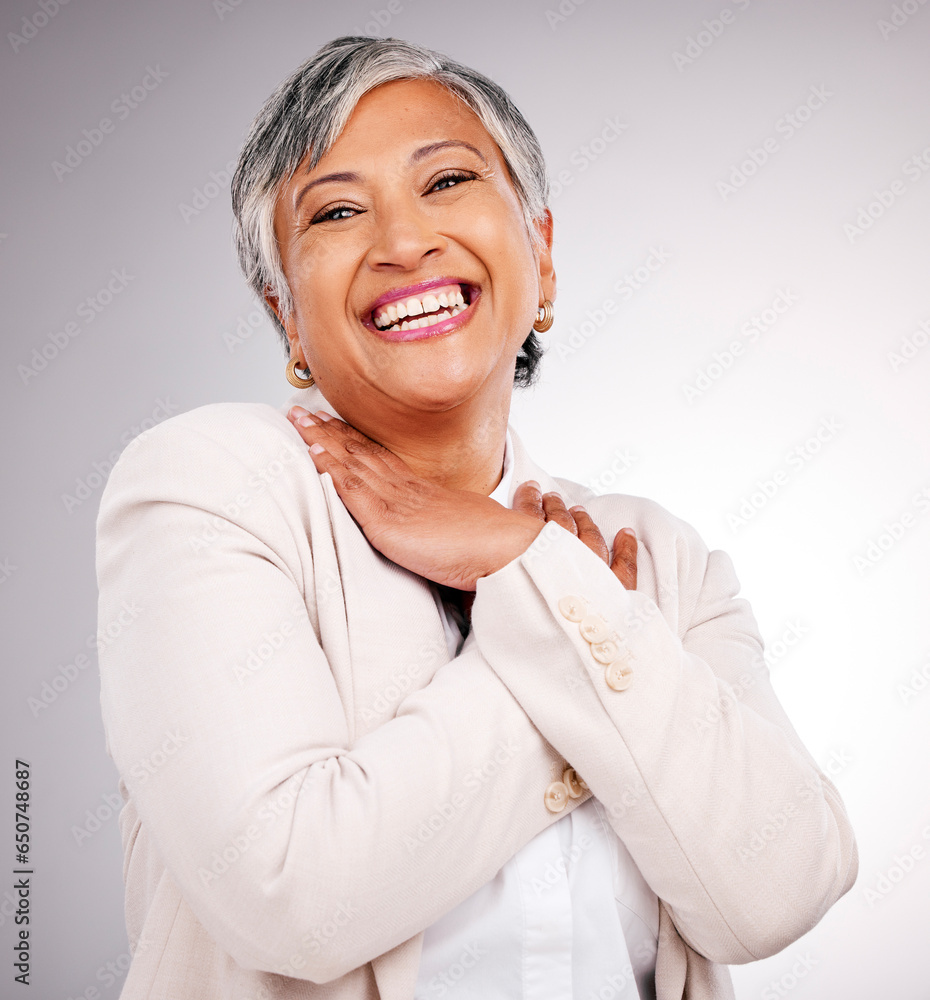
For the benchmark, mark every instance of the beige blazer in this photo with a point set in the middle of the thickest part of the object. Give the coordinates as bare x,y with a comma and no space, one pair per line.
309,781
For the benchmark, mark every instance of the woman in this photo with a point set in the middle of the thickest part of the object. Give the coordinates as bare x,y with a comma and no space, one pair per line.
399,714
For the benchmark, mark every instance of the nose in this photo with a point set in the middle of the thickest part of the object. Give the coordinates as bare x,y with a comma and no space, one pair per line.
405,235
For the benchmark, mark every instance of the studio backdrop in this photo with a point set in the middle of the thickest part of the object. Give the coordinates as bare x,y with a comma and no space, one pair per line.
741,196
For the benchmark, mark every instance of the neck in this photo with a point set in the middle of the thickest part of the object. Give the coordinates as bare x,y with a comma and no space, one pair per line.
461,448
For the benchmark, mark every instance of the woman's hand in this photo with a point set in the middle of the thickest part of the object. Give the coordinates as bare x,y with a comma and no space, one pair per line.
550,507
450,536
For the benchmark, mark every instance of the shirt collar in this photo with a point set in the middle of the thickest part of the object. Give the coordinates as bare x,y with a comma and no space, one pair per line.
502,491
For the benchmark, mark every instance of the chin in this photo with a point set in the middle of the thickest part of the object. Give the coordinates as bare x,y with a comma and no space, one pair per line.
438,393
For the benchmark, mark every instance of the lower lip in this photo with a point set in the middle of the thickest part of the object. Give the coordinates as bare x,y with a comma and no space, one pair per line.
436,330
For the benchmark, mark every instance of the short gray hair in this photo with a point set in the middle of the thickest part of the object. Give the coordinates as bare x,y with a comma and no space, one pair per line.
308,111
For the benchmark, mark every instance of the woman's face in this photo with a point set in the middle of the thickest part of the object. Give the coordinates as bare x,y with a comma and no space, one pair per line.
413,191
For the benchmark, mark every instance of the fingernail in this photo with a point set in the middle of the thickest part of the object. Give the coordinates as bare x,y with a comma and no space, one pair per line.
628,531
533,483
306,421
578,506
296,411
323,415
315,449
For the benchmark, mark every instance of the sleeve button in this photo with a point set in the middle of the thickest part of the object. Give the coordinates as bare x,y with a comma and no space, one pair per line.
556,797
617,678
572,608
594,628
573,783
606,651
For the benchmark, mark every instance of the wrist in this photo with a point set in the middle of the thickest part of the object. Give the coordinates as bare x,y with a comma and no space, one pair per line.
516,535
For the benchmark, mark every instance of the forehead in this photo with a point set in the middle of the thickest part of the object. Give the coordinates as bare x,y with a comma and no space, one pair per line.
413,100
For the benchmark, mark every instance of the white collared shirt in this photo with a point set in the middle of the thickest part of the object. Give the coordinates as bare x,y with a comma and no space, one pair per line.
568,917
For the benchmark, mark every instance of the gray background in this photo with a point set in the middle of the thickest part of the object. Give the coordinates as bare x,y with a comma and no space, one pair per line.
612,408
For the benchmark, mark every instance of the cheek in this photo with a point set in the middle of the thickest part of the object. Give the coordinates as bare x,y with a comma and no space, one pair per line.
507,252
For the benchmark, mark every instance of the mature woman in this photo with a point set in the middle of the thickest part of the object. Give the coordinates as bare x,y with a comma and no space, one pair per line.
399,714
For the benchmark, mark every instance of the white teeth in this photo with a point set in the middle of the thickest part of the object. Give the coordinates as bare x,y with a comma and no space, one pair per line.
430,303
451,304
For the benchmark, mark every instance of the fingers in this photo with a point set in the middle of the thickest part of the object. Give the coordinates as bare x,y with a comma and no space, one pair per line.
341,440
555,510
589,532
527,499
353,461
624,559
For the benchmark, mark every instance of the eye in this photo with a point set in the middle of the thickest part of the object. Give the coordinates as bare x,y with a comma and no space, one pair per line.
332,214
451,179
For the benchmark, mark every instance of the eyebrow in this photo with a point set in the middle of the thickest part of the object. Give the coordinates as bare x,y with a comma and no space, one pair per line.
415,157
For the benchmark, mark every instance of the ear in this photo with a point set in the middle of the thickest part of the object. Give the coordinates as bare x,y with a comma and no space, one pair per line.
547,283
290,327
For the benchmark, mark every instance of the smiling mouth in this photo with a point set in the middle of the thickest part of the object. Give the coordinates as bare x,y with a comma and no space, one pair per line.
420,311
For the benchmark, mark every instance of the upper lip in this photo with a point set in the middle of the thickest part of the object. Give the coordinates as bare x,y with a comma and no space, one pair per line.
410,290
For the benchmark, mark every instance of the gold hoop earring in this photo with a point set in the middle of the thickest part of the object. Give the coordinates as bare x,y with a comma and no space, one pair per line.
544,317
296,380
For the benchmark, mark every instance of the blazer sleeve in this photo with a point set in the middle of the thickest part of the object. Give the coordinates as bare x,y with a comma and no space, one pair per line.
297,852
727,815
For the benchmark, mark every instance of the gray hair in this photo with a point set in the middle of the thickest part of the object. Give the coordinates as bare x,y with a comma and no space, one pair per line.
308,111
